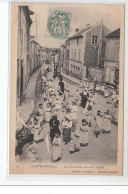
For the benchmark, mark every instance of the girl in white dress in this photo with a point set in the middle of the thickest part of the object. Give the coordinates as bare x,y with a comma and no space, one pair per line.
48,113
107,124
84,137
40,111
56,148
74,140
36,130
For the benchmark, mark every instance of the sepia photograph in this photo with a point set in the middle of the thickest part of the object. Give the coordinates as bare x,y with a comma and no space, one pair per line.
66,88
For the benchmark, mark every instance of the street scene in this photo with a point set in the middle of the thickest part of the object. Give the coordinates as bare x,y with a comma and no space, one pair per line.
67,99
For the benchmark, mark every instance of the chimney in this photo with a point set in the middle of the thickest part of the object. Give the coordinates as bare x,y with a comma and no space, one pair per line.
87,25
97,23
76,30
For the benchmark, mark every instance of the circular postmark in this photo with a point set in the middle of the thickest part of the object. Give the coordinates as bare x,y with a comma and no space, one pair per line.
58,24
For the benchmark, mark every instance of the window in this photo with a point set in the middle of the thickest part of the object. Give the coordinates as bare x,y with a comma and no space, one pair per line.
94,40
77,41
117,73
79,55
117,51
21,38
70,54
74,54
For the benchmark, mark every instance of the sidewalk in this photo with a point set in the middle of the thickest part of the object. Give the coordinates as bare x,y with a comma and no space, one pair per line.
24,111
70,78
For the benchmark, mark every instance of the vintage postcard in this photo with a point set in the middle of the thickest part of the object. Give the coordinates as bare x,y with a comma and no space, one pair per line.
66,88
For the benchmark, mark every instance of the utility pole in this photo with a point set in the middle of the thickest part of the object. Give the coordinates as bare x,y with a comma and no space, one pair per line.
36,27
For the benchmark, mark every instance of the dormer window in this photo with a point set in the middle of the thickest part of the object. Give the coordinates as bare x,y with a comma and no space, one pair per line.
94,40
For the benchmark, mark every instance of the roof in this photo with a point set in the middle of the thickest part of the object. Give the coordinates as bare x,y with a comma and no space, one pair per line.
52,49
80,32
115,33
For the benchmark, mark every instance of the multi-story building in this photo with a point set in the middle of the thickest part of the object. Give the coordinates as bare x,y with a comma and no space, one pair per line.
23,52
87,49
112,57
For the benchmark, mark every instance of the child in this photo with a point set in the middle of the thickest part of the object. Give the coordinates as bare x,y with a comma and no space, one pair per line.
73,111
97,89
89,112
66,127
106,93
92,86
84,139
44,104
74,140
36,130
56,149
48,113
98,123
107,125
41,113
57,103
103,88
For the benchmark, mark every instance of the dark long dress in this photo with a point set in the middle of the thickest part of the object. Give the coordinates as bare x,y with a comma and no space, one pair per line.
61,84
54,128
84,99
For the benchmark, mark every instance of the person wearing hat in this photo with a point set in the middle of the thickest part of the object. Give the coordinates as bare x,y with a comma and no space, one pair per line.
84,137
66,129
54,126
107,125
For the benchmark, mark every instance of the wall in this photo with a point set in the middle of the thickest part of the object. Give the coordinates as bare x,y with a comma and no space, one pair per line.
76,55
111,59
93,53
95,72
111,49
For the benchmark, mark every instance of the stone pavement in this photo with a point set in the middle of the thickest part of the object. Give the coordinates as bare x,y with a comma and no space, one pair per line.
24,111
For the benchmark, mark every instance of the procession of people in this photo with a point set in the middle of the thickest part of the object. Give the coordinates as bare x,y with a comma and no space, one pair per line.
55,120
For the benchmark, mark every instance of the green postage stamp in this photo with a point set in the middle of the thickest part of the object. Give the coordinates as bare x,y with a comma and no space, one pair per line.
58,24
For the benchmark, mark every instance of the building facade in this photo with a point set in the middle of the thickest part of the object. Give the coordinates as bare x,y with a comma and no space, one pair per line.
23,50
86,48
111,66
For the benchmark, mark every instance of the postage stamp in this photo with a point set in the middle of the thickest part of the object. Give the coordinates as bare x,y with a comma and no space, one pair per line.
58,24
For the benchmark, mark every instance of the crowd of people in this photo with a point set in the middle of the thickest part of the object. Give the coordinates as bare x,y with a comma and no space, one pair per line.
55,120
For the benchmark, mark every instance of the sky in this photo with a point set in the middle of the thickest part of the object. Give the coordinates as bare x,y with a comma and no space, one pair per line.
81,14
